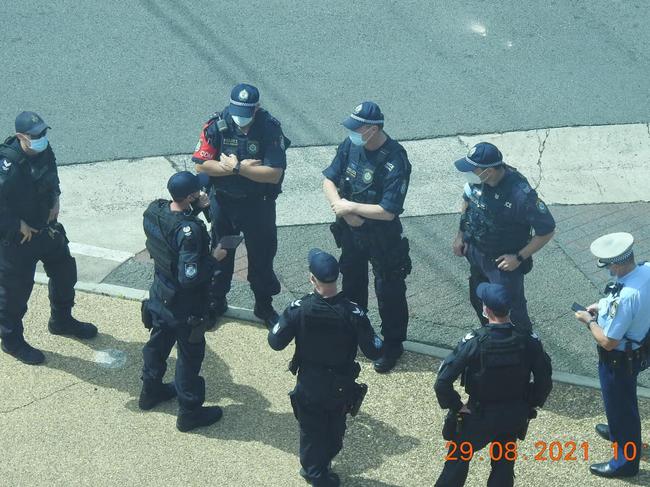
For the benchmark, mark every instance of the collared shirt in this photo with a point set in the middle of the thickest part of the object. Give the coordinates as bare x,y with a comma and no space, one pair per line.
626,315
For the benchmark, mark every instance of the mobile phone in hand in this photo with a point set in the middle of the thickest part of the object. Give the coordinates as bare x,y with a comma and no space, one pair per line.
578,307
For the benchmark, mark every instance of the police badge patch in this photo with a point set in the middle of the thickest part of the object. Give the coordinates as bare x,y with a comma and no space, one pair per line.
357,109
187,231
276,328
243,95
541,206
367,176
252,148
613,308
190,271
402,189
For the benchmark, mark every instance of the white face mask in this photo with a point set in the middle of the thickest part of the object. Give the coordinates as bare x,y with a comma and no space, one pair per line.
473,178
241,121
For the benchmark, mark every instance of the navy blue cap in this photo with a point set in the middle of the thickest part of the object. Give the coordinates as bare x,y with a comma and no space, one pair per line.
184,183
323,266
30,123
482,155
494,296
243,100
367,113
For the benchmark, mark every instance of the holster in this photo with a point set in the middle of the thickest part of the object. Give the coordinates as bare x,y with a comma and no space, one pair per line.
359,392
145,314
198,326
337,232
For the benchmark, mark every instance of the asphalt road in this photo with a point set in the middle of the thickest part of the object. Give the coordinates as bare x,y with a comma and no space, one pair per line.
136,78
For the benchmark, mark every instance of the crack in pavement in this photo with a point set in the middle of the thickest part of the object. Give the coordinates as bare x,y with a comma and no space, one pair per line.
38,399
542,146
174,164
462,142
647,125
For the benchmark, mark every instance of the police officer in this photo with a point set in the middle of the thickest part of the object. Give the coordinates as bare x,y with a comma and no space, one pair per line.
243,150
29,232
620,325
327,328
495,363
499,210
179,244
366,185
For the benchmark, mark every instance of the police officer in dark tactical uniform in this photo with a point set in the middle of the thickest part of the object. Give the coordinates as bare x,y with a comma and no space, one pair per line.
620,325
243,150
177,310
495,363
366,185
500,208
327,328
29,232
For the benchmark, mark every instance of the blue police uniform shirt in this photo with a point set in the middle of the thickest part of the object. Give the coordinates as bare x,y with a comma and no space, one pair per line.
627,315
524,205
395,179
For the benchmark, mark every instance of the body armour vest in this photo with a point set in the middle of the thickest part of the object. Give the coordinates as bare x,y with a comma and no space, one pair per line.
160,226
30,185
362,180
224,134
325,337
501,370
489,222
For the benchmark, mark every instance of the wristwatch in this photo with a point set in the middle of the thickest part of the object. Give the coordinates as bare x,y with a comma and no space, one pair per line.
235,170
520,258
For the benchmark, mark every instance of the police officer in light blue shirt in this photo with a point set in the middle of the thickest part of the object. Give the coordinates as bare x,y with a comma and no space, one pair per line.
620,323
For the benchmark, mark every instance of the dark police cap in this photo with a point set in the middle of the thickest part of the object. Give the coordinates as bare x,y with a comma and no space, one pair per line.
184,183
482,155
243,100
30,123
367,113
323,266
494,296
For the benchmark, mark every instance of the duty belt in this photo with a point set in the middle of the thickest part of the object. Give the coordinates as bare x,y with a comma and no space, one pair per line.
617,358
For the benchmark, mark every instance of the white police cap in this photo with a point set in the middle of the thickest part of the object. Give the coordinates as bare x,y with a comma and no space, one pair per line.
612,248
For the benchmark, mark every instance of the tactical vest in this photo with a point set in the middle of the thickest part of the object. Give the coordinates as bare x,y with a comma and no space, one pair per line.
325,339
362,180
230,140
32,191
489,222
502,370
161,226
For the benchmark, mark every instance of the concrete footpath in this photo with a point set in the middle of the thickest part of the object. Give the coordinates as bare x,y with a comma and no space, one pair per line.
75,421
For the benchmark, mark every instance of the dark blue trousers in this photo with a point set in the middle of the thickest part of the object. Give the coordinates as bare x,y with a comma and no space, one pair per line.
17,266
484,269
356,253
618,388
255,218
190,386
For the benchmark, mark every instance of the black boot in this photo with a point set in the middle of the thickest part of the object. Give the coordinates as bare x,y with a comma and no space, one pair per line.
153,393
204,416
330,480
265,312
388,361
24,352
67,325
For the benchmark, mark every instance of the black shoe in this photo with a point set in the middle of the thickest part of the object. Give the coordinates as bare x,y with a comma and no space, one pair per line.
203,416
25,353
388,361
72,327
605,470
267,314
152,395
332,479
603,431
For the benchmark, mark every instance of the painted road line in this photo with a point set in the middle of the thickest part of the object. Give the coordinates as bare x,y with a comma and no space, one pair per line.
99,252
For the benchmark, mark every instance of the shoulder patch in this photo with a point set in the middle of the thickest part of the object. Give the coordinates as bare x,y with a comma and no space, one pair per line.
190,271
296,303
377,342
403,187
613,308
5,164
525,187
276,328
469,336
187,230
541,206
389,166
357,311
534,335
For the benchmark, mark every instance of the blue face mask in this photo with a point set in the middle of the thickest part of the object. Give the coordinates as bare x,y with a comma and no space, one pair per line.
356,138
241,121
38,145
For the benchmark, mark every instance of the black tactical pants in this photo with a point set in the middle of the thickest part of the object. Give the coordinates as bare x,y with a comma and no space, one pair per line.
17,267
255,218
390,286
499,426
321,434
190,386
